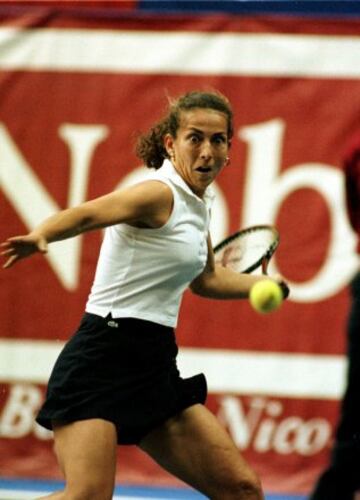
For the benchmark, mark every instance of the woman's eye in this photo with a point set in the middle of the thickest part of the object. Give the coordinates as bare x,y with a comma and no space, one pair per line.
194,139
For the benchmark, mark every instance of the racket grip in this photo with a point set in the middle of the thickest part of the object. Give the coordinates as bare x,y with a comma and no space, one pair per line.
264,265
285,289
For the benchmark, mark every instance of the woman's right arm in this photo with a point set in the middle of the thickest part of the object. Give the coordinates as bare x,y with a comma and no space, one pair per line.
148,203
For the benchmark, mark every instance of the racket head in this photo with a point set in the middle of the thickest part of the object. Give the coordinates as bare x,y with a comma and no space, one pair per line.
248,249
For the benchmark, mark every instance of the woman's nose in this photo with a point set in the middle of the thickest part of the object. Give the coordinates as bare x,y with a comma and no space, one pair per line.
206,151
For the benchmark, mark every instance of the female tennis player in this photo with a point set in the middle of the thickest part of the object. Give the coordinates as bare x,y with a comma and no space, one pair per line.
116,381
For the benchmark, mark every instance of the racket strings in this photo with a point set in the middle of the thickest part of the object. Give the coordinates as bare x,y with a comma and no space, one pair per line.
247,249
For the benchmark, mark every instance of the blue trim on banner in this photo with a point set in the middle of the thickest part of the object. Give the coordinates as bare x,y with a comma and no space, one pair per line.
305,7
39,485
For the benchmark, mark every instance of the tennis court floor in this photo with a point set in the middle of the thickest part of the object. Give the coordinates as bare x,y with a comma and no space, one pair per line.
28,489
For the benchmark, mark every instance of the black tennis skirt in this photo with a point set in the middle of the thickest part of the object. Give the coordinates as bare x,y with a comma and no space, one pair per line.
122,370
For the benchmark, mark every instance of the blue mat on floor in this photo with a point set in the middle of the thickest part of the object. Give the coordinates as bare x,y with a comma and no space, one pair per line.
16,488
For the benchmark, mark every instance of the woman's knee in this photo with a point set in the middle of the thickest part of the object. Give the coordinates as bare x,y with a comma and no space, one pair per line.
249,489
239,488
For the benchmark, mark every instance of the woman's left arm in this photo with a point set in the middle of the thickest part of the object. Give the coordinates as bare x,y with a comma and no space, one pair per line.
218,282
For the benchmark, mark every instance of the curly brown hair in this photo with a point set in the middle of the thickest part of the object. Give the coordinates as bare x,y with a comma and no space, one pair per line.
150,146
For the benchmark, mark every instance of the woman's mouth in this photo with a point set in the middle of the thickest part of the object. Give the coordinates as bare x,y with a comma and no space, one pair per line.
204,170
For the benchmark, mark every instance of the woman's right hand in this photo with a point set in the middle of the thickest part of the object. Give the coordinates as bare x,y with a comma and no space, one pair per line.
19,247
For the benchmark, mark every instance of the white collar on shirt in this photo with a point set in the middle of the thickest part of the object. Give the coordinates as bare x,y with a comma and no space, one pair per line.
169,171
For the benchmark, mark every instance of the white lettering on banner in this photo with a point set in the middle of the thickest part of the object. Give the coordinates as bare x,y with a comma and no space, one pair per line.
262,429
265,190
18,416
20,184
265,146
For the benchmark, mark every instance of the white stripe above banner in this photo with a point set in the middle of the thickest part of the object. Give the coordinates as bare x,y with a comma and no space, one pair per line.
171,52
236,372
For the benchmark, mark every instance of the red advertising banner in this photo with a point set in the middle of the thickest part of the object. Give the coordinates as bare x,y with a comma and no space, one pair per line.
74,93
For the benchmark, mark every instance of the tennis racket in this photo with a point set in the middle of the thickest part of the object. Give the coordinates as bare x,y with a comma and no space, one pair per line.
249,249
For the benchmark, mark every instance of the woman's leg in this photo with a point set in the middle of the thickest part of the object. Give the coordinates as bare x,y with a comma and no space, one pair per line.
86,452
194,447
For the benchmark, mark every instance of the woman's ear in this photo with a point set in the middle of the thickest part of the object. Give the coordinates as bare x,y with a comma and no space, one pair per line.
169,144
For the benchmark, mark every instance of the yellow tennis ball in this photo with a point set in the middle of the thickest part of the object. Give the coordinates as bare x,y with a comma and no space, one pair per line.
265,296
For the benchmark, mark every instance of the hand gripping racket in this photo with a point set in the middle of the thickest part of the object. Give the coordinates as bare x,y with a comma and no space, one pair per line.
249,249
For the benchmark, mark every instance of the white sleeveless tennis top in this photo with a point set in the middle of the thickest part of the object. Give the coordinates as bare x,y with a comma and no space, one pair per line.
143,273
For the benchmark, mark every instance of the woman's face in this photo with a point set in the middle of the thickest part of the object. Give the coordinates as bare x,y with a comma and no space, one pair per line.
200,148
